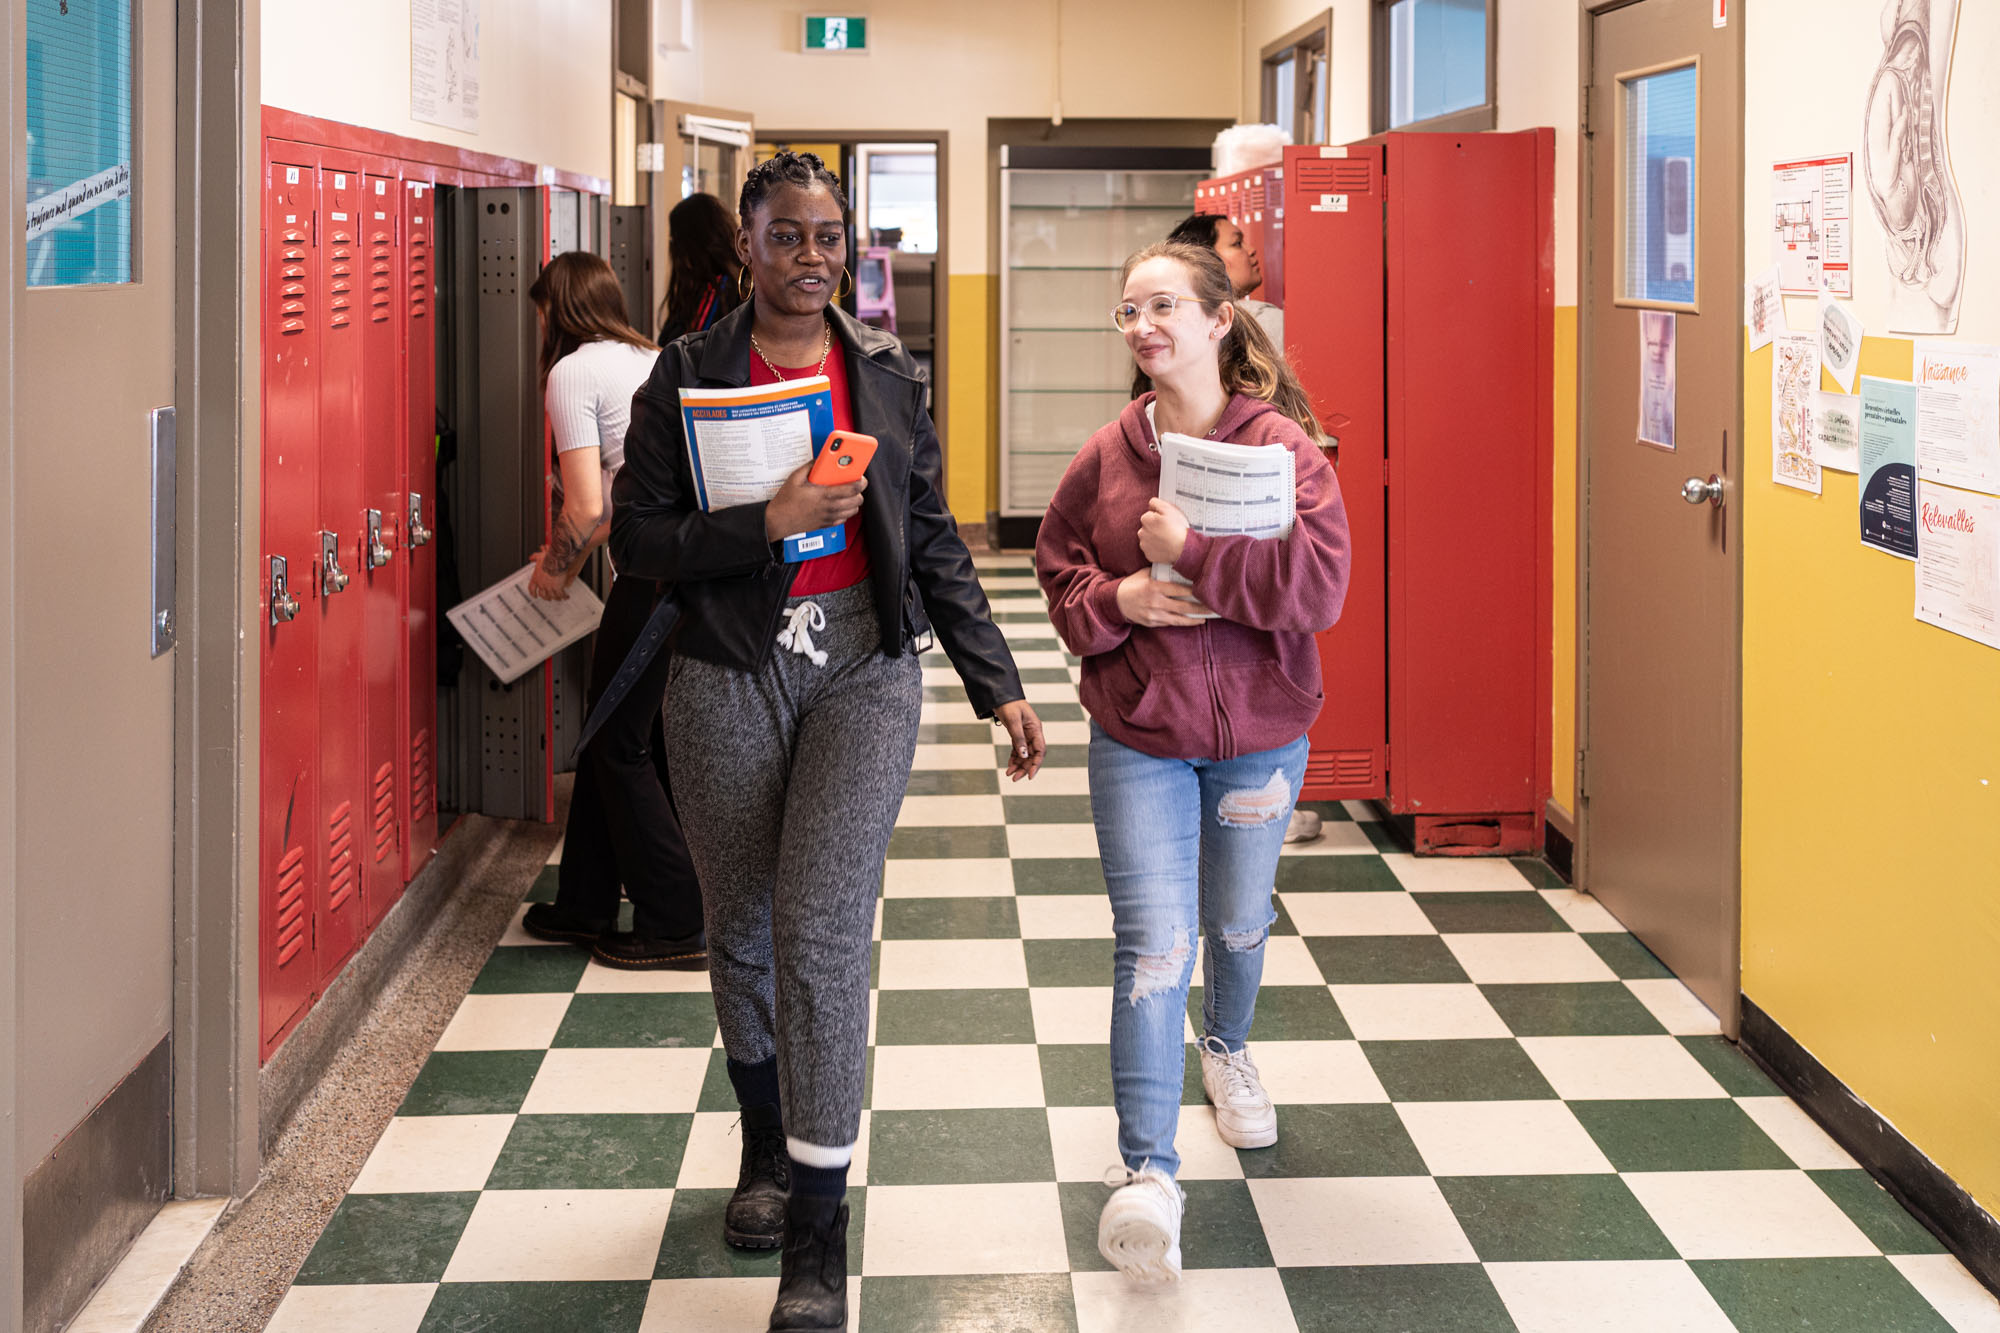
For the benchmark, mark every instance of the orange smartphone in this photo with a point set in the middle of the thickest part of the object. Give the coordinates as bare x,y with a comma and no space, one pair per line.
843,458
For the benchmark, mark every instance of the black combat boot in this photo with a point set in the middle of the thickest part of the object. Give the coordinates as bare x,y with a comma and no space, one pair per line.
812,1279
755,1217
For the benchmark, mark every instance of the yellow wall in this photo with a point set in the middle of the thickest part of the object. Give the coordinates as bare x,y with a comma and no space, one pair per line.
1871,743
1562,748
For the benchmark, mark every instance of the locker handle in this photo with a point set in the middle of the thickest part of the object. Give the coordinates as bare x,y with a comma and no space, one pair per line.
419,535
375,553
284,606
332,578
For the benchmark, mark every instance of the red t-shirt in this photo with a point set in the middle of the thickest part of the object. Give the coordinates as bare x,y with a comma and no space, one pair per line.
843,569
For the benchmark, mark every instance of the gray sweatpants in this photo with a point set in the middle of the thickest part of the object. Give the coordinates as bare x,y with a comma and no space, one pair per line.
788,781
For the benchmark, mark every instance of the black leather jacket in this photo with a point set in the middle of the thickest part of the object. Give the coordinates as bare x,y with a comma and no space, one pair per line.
731,582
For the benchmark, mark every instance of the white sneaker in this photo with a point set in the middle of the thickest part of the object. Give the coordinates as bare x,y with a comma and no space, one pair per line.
1304,826
1244,1115
1139,1231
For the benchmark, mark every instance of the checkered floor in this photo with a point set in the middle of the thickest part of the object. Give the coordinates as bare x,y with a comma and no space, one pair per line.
1496,1110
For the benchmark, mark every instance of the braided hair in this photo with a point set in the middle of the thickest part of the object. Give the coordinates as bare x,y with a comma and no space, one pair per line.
787,168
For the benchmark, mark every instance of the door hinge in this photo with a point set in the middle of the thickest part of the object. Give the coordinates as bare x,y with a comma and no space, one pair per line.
1583,110
1582,774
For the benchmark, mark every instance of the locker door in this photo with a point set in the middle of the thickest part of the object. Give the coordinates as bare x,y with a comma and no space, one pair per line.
418,510
1271,239
289,868
383,564
342,831
1335,336
569,670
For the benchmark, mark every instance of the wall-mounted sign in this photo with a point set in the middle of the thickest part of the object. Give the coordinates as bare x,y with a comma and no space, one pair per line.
841,34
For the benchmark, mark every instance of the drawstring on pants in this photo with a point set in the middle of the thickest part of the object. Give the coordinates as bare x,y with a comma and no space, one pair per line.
800,624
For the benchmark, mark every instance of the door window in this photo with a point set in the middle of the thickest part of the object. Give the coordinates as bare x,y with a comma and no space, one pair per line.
79,144
1657,169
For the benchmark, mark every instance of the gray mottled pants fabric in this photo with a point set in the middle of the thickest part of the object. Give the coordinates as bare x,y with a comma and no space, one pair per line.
788,781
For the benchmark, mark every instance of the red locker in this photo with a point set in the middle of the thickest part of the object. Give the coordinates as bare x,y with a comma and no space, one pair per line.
383,565
1255,201
418,510
290,872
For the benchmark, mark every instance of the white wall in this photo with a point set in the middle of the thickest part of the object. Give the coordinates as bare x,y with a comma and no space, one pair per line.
1265,21
1537,76
544,74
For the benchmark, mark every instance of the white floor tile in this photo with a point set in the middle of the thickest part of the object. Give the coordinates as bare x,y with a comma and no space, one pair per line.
953,1078
1746,1215
1205,1299
1049,692
1033,841
1030,631
132,1290
504,1023
1066,733
1798,1134
1346,1221
1527,957
562,1236
598,979
1623,1296
953,965
1040,659
1456,874
397,1308
1009,583
934,757
1301,1073
1287,962
1583,913
422,1154
1050,782
714,1152
1064,916
1362,812
944,1229
948,877
1956,1294
1675,1006
555,853
1336,838
1531,1138
1427,1012
949,811
1356,914
515,937
935,712
1619,1068
617,1082
1085,1139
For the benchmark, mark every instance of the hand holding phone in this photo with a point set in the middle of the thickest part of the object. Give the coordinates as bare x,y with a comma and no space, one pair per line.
843,458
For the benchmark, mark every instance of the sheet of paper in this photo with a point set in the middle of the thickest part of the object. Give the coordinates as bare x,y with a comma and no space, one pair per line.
1764,308
1794,380
1812,224
1837,431
1227,489
513,633
1656,378
444,63
1888,484
1958,562
1839,341
1958,414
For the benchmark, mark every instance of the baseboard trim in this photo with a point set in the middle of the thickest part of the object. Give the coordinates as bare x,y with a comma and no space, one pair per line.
1559,844
1919,1184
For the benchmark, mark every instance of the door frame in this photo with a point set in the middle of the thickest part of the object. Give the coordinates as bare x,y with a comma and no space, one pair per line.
1602,122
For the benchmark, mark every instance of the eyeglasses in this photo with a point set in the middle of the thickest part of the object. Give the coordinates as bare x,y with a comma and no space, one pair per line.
1158,309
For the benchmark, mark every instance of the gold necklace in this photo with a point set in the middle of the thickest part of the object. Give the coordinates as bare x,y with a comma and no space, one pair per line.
825,354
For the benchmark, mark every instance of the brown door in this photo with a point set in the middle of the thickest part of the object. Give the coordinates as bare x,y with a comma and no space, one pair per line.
1662,388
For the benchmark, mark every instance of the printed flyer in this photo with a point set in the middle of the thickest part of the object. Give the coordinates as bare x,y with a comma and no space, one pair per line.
1958,562
1888,449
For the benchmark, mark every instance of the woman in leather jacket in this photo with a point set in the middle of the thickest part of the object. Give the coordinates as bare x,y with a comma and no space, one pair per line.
793,706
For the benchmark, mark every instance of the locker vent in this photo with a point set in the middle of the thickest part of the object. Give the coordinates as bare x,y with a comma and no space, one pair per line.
1341,768
420,267
290,908
340,276
1336,175
379,275
340,872
420,777
292,282
385,811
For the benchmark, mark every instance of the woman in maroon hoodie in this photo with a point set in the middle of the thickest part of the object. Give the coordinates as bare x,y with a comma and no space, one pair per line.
1199,697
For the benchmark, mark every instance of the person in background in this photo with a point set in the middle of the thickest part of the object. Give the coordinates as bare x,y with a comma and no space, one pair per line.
793,705
703,274
1199,697
621,829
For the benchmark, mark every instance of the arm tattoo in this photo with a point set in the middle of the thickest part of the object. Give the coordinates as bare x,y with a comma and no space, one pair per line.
565,544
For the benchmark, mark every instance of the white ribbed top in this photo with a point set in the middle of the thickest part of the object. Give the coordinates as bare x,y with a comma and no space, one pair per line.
590,401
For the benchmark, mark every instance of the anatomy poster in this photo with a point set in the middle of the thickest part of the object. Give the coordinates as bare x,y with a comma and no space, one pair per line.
1812,219
1794,382
444,63
1656,378
1958,562
1907,167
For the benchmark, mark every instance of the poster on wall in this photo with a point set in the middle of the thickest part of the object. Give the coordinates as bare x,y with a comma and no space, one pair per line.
1656,378
1839,341
444,63
1794,381
1764,308
1837,431
1889,466
1958,415
1958,563
1812,224
1906,166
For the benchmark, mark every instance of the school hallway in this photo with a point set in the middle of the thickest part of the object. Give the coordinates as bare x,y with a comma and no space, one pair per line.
1496,1109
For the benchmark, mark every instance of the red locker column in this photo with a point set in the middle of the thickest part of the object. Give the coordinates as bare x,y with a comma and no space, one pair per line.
383,564
1334,334
418,675
289,868
343,824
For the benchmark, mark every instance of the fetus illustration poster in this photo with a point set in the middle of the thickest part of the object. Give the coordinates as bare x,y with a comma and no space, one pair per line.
1906,166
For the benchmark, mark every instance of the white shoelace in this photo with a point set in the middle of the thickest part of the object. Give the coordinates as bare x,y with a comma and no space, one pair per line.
800,623
1239,1076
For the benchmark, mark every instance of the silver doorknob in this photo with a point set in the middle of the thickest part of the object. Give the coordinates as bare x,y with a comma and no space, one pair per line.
1694,490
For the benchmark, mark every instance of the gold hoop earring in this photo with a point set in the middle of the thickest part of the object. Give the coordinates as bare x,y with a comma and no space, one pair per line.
847,278
743,284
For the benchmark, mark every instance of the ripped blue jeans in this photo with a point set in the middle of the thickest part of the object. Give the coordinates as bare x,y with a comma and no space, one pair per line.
1190,849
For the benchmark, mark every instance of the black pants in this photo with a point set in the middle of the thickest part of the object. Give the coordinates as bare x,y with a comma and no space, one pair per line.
622,828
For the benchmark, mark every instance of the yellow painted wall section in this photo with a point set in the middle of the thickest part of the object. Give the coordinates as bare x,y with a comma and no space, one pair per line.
1562,695
970,449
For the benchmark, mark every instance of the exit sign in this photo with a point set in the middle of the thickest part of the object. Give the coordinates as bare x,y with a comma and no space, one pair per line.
840,33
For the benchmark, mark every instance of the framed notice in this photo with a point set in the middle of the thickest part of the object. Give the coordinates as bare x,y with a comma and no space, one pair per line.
78,143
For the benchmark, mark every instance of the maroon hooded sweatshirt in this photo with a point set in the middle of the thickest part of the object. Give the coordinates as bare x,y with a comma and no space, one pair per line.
1245,682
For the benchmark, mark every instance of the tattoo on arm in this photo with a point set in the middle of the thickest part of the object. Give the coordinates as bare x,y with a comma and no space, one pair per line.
566,544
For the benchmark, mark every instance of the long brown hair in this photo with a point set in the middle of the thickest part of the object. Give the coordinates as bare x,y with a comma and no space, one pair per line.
581,302
1250,362
701,247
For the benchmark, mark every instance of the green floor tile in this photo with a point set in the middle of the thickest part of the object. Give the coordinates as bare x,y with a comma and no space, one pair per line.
978,1147
1473,1070
638,1021
536,1307
1081,1076
1579,1009
1285,1013
541,967
1044,675
693,1247
1403,1298
1031,616
1048,645
1885,1222
383,1238
984,840
944,694
1523,1219
1540,873
1027,808
1016,1303
1701,1134
1364,960
1283,925
717,1093
543,890
954,733
1082,1202
953,782
1628,959
1060,712
1489,913
1384,836
1820,1295
1220,1227
1069,962
953,1018
950,919
472,1083
875,965
1057,756
1365,1140
1731,1068
1058,874
591,1152
1336,874
1330,812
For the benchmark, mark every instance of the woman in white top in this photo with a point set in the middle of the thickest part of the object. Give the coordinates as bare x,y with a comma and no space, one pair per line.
622,829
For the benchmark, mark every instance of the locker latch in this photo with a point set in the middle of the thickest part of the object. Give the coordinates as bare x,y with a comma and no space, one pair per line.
376,554
284,606
419,534
332,578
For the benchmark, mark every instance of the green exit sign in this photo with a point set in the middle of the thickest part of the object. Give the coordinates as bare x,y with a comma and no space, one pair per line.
843,33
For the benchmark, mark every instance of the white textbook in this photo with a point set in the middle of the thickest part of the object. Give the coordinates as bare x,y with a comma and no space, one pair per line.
1248,490
513,632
